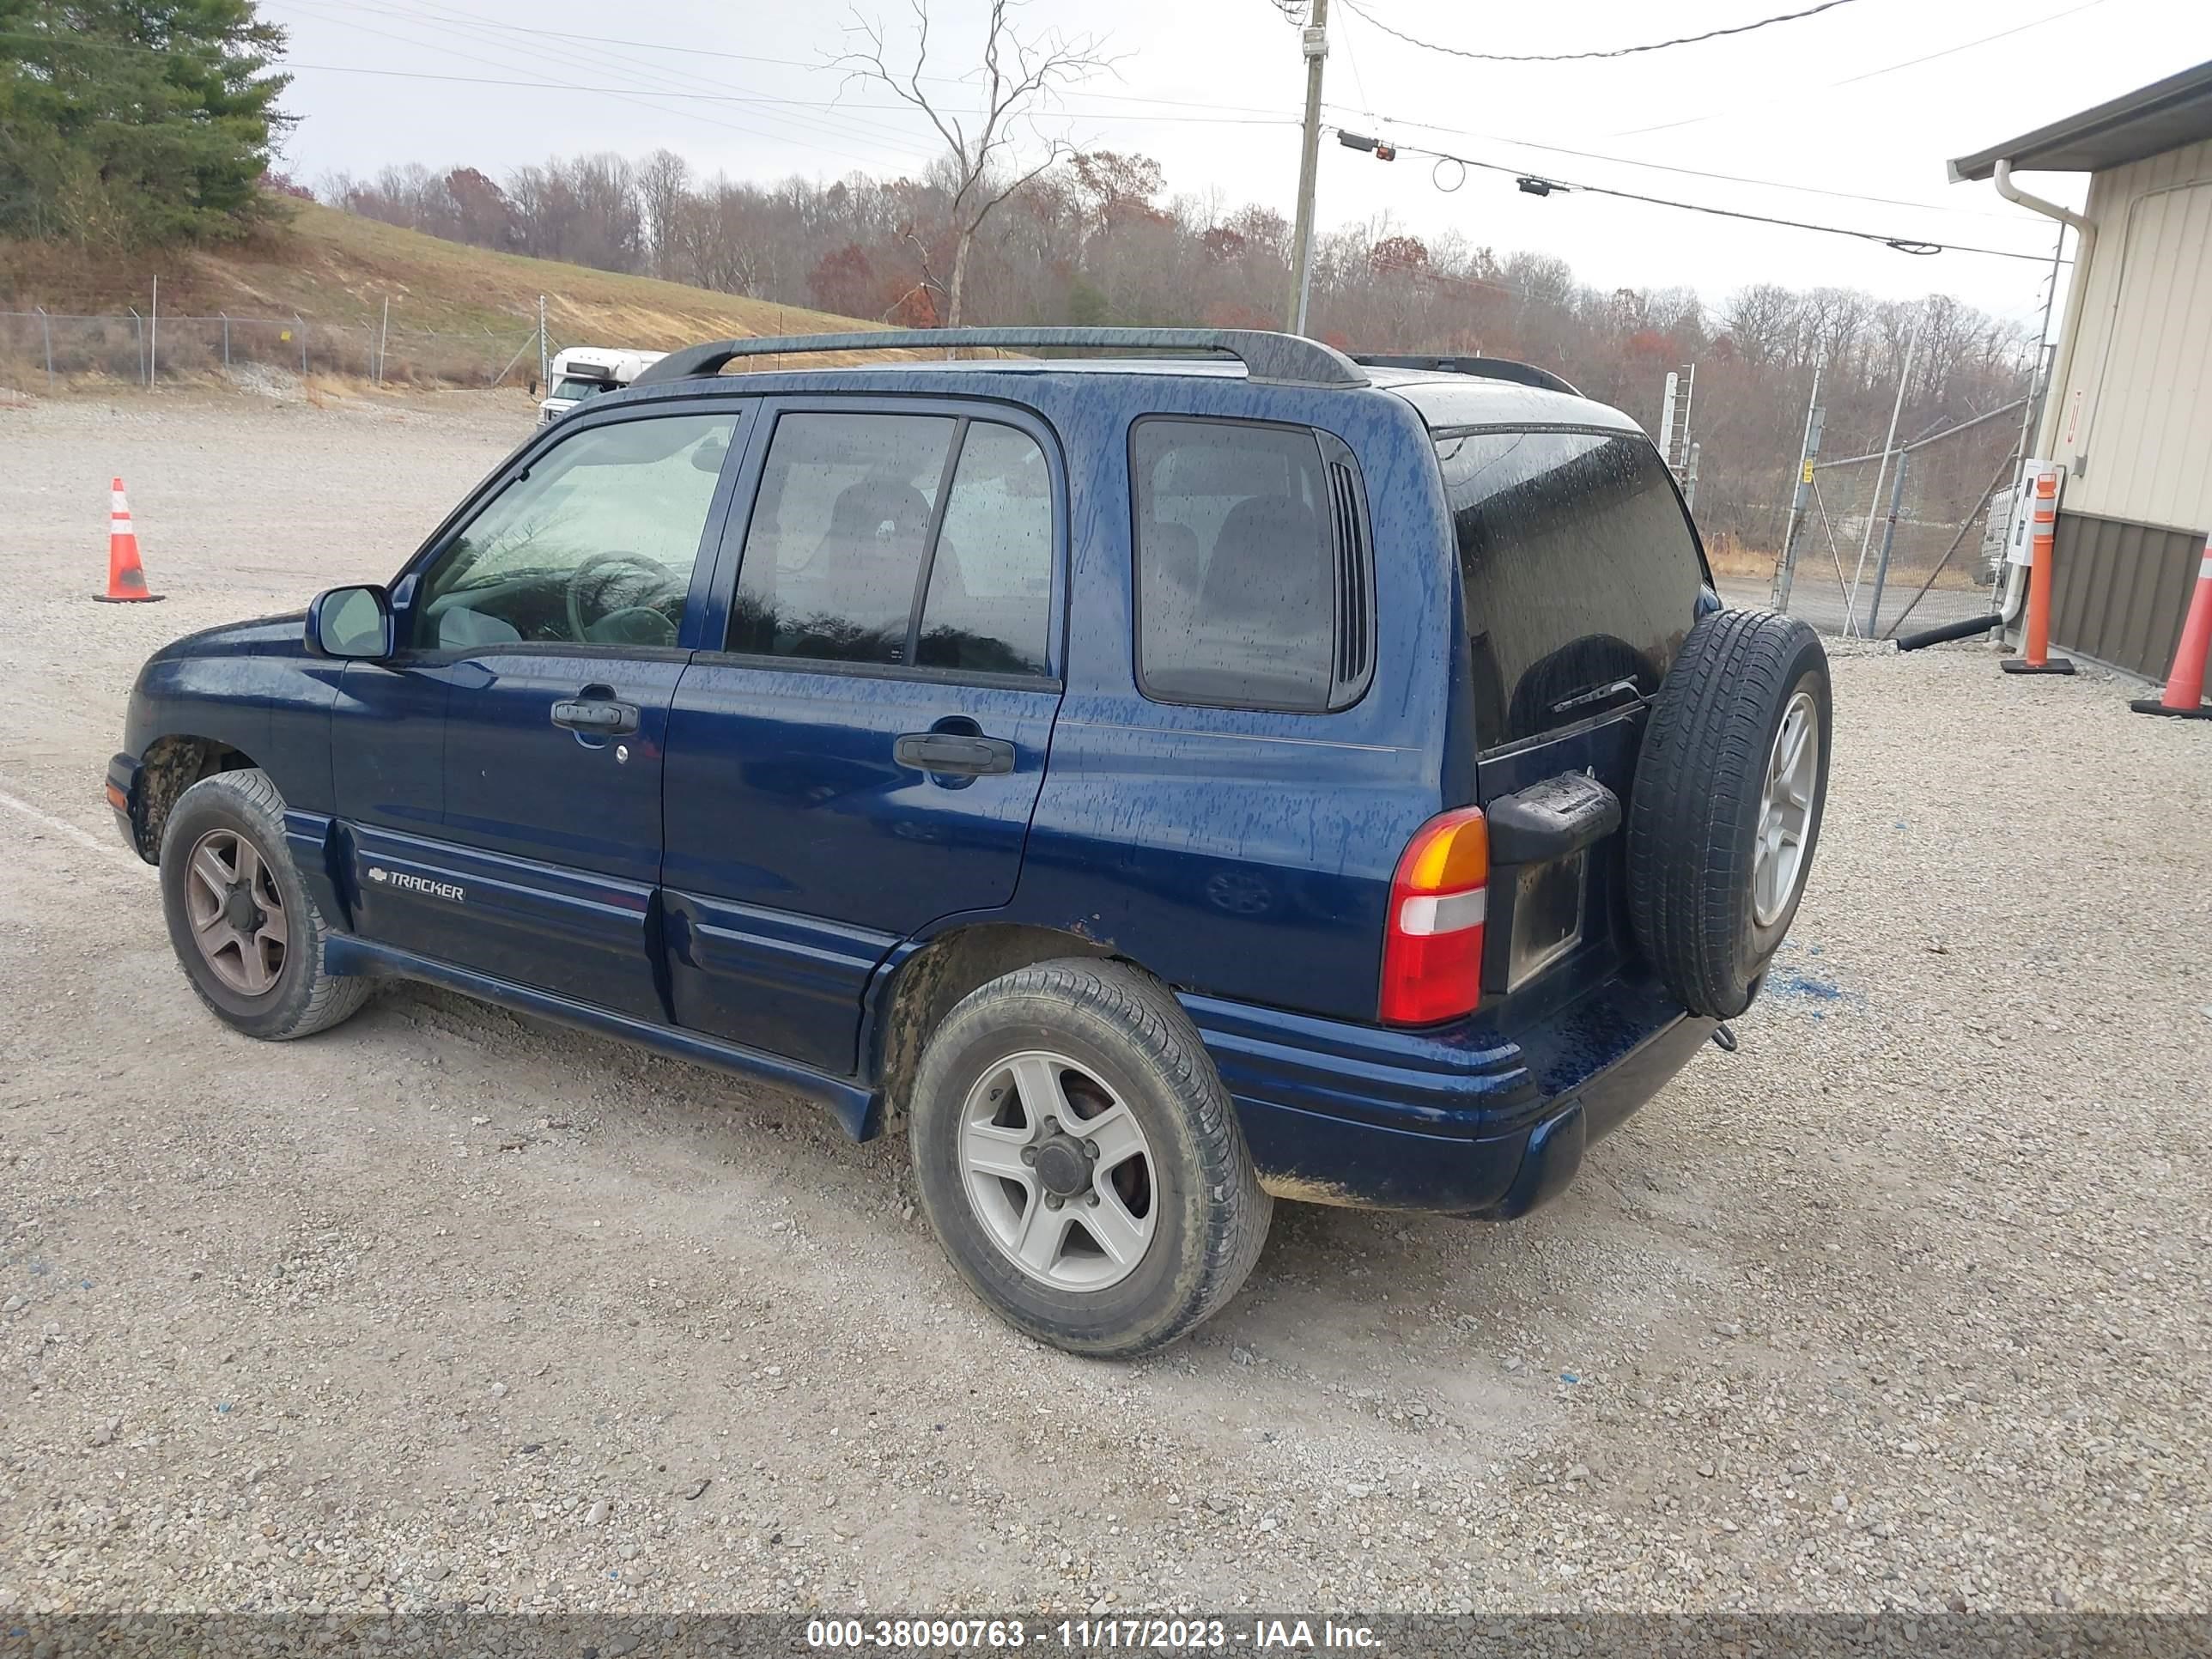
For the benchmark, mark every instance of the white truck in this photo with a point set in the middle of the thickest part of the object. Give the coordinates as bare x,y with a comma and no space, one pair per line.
581,372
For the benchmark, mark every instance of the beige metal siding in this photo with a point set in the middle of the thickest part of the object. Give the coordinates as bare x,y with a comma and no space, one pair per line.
2135,423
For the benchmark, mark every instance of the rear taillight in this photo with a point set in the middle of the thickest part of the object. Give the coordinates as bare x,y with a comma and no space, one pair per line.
1433,947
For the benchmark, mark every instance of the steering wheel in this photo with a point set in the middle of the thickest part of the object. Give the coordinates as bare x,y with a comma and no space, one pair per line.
634,628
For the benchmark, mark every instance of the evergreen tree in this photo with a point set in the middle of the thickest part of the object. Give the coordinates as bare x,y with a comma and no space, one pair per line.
128,123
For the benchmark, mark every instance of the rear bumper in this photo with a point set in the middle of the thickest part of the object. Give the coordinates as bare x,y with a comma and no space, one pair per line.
1357,1114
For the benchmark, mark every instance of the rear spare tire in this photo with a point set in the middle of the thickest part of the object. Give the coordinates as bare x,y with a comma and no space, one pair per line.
1726,810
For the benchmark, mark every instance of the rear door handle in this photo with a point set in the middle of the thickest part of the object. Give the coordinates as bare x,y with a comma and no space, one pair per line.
954,752
598,716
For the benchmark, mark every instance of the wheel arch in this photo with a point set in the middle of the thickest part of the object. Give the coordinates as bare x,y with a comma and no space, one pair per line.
172,764
913,999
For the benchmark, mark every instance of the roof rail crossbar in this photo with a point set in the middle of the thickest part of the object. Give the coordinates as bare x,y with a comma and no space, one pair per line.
1271,359
1491,368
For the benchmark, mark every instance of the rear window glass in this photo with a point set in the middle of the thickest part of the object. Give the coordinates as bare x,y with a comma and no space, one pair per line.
1235,564
1579,566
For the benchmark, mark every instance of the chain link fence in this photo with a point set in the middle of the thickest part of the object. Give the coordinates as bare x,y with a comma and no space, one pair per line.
1902,539
53,349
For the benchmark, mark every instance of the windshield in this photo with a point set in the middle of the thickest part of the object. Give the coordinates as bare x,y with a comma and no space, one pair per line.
572,388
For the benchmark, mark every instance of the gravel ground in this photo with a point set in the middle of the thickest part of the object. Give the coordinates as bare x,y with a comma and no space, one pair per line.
1904,1305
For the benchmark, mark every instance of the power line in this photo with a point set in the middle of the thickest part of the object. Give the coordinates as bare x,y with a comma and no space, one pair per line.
1853,80
731,98
1662,166
617,76
690,51
611,84
290,64
1579,56
1545,185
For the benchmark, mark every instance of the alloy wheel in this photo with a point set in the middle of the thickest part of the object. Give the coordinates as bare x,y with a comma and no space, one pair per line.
1785,810
237,912
1058,1171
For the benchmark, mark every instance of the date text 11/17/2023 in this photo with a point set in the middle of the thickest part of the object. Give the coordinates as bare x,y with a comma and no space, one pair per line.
1141,1634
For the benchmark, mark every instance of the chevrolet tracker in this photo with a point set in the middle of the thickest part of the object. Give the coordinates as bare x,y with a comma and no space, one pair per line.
1159,784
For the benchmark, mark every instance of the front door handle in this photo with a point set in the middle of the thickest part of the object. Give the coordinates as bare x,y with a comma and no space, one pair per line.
954,752
600,717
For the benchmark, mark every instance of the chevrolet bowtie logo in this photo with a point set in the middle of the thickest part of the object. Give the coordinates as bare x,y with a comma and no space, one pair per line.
375,872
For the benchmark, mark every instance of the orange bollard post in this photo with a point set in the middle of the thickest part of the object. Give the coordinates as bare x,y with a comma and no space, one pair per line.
2185,683
2035,656
126,577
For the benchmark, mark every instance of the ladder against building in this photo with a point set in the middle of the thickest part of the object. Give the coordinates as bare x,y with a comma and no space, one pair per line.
1674,418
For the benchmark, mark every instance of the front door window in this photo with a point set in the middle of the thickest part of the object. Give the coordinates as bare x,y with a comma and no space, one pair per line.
593,545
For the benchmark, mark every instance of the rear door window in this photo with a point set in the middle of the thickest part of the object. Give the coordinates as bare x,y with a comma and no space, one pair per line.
1253,588
1580,571
901,540
989,605
833,554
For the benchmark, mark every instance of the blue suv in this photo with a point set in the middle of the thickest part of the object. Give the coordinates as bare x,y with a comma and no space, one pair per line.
1162,784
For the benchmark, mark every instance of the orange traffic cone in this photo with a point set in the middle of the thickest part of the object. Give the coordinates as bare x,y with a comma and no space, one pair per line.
126,577
2184,686
2035,656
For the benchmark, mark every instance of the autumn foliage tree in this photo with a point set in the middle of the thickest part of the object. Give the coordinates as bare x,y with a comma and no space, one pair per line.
1098,239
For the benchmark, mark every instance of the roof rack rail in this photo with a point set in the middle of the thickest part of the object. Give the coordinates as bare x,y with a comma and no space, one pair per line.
1269,358
1491,368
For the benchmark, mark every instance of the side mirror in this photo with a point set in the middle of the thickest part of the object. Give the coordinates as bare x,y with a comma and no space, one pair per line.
350,623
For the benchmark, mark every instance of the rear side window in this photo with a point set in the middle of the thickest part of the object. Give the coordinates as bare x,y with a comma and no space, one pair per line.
899,540
1579,566
1253,587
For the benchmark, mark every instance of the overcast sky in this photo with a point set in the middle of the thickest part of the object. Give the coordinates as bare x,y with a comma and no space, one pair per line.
1213,88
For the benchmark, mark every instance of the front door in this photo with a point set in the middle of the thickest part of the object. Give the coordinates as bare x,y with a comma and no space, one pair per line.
501,776
862,756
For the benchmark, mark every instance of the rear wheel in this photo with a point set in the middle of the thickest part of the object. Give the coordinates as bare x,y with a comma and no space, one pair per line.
245,931
1080,1162
1726,813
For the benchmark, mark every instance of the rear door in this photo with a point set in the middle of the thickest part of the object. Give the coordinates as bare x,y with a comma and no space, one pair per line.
856,750
1581,576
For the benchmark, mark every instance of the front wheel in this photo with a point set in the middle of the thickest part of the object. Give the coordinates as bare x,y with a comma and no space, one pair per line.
1080,1162
245,929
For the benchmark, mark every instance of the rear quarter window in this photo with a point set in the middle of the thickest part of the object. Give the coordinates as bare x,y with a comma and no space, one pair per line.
1253,589
1579,566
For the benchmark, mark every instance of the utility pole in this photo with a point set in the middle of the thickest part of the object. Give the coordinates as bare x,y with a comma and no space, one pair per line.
1315,41
544,366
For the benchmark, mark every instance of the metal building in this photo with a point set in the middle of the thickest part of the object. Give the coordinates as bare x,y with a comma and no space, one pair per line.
2129,412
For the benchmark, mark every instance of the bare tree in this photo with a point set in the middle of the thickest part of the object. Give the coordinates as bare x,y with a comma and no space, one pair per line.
664,179
1017,77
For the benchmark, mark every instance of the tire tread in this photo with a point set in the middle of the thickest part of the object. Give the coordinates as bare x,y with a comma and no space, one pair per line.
330,997
1144,1011
1698,774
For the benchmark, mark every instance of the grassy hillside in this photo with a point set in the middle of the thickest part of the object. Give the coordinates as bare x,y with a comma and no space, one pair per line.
335,269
